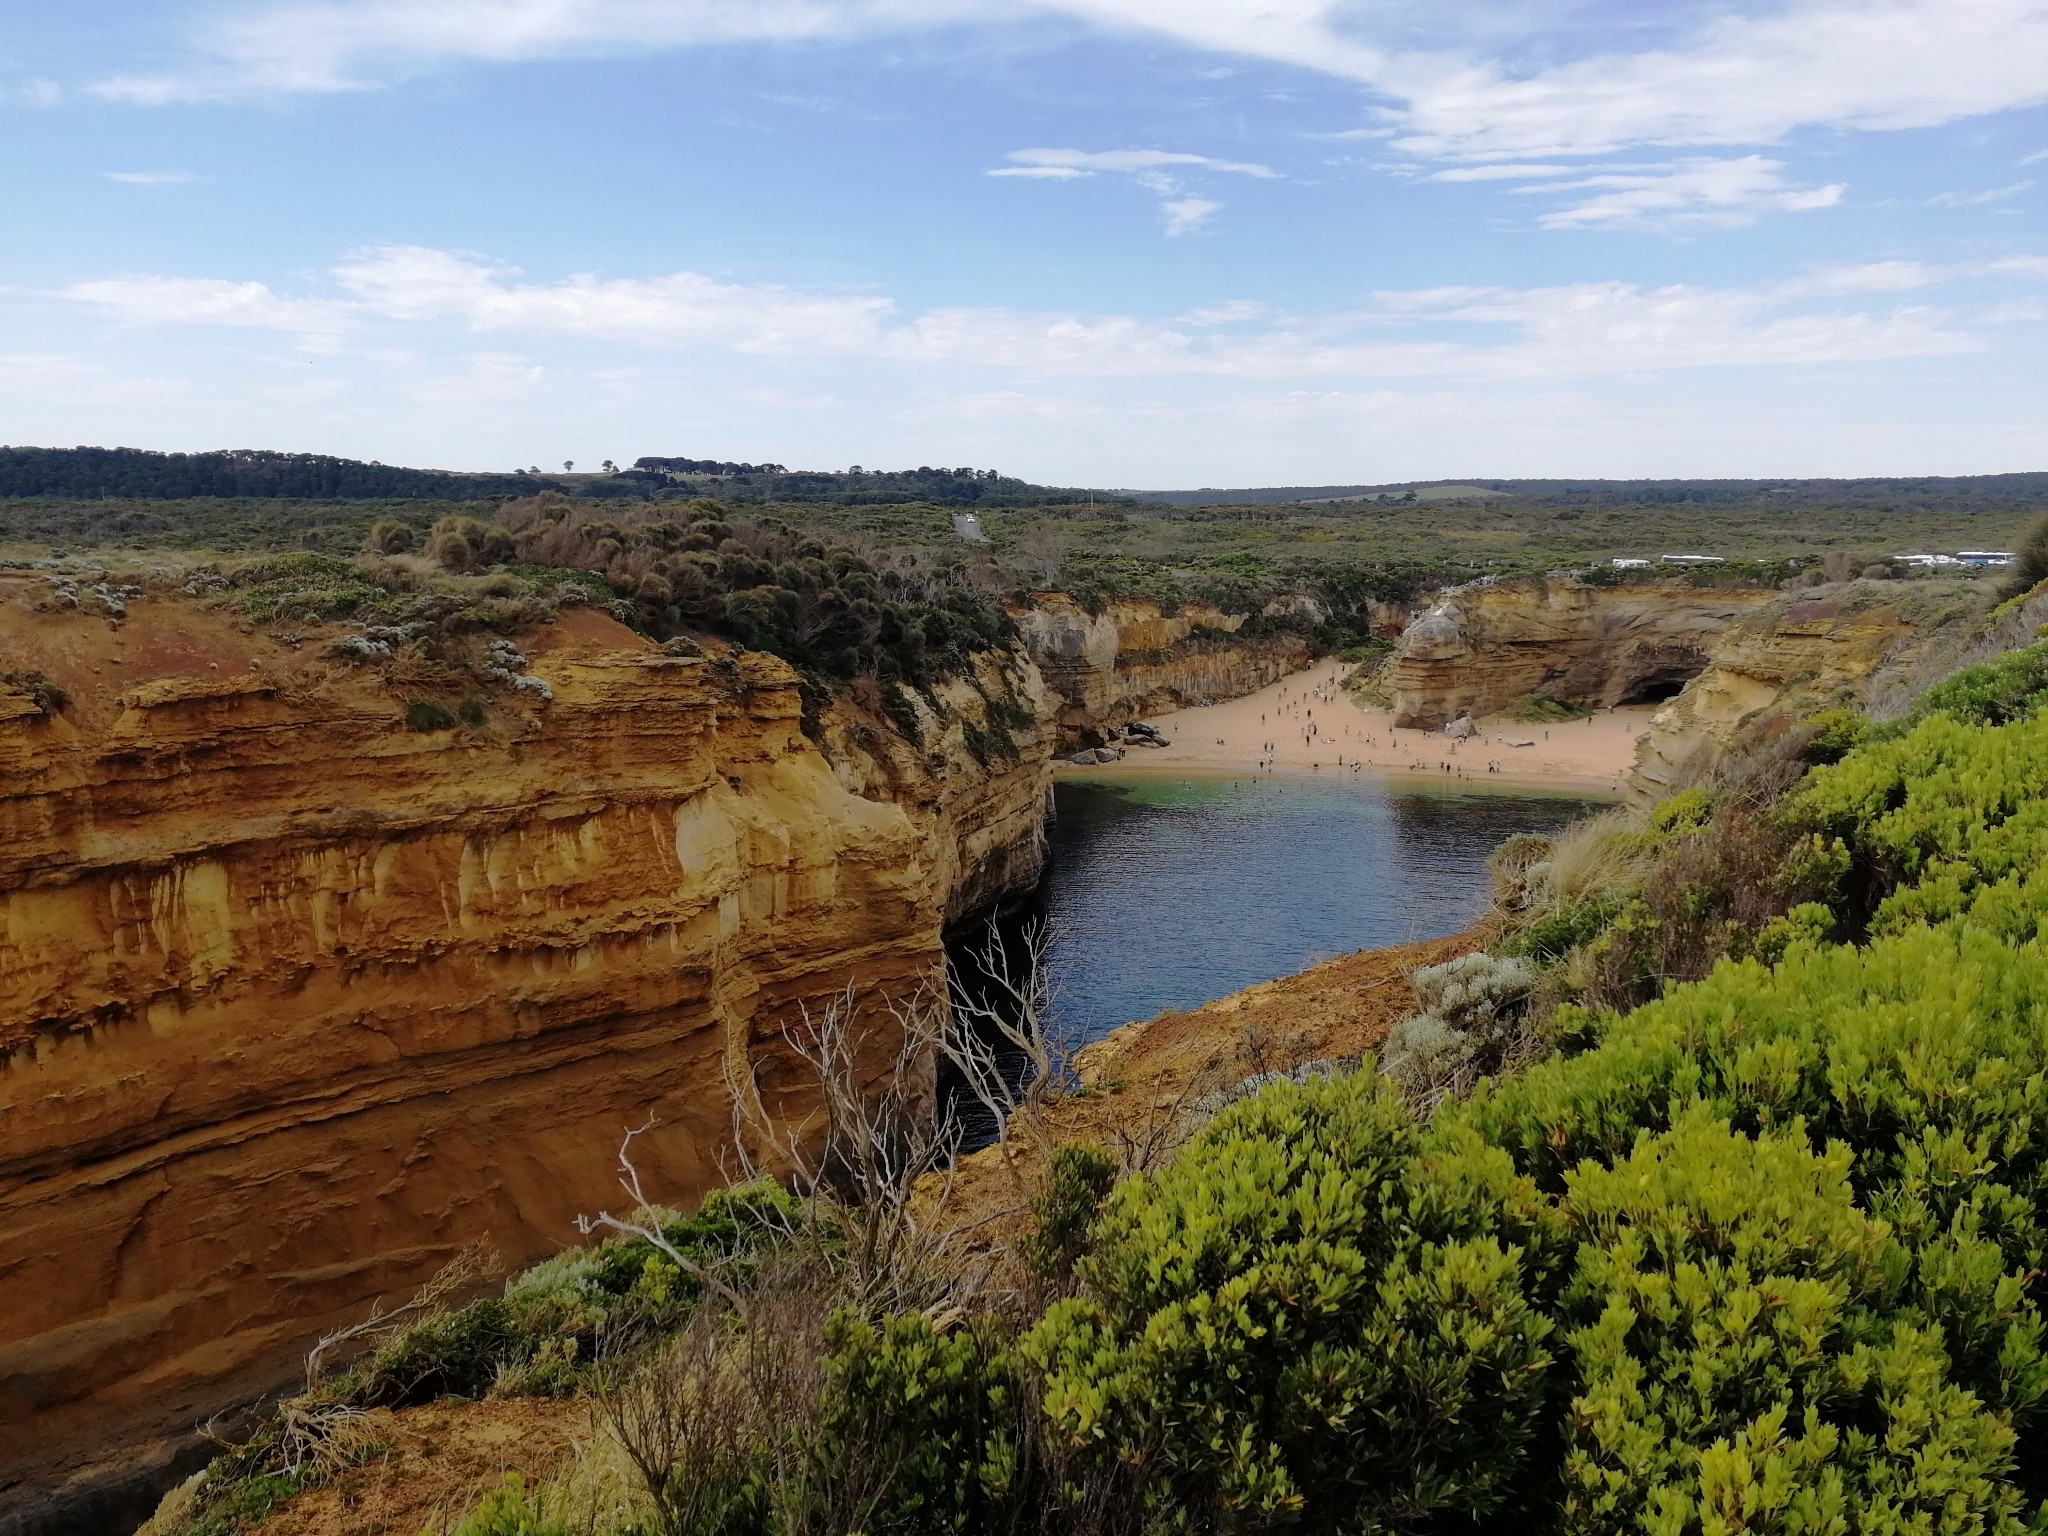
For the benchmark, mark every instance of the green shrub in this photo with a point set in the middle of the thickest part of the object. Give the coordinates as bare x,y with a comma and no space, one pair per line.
507,1511
1947,819
917,1427
2009,687
1682,812
1542,709
1738,1362
424,715
1557,933
1924,1055
1077,1178
1306,1316
41,692
2030,567
457,1353
387,536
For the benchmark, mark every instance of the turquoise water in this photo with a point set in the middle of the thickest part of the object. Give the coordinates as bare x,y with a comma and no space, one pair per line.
1163,893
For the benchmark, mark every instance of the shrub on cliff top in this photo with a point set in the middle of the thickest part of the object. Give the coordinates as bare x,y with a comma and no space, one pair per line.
1740,1360
1306,1318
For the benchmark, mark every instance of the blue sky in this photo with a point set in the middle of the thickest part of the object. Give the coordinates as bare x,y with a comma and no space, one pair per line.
1112,242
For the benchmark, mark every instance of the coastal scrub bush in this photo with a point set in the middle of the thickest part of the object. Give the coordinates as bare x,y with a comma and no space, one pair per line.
507,1510
426,716
1307,1318
1739,1363
1924,1055
1078,1177
2030,562
916,1432
40,690
1951,818
2010,687
1473,1010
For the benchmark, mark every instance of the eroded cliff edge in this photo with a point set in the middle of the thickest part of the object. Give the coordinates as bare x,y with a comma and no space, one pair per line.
1484,648
1126,658
297,1001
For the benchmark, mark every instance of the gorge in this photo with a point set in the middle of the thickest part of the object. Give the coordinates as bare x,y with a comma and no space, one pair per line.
305,999
302,1000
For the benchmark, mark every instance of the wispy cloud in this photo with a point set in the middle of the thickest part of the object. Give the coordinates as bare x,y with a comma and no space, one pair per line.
1087,162
1504,172
1737,79
1577,329
1694,191
151,178
1184,215
340,45
1181,211
1741,79
1979,199
209,301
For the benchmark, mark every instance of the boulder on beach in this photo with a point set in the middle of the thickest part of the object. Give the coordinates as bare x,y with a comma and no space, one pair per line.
1461,729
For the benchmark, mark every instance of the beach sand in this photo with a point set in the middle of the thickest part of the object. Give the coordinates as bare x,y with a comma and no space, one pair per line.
1307,723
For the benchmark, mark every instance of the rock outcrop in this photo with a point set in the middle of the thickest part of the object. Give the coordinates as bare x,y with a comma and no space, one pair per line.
1484,648
1129,659
1811,650
298,1001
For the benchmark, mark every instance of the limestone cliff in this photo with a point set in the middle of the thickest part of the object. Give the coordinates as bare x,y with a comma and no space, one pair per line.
296,1001
1484,648
1810,650
1129,659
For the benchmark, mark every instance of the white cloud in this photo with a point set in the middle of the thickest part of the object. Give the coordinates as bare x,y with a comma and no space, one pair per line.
1700,190
1184,215
1504,172
335,45
1738,79
32,93
151,178
1180,212
1742,79
395,295
1979,199
1231,312
1131,160
208,301
684,309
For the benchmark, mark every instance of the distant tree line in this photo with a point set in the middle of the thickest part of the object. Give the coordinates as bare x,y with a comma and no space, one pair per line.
140,474
673,478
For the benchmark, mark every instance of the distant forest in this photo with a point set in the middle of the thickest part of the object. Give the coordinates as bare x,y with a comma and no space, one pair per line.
136,474
1985,493
856,487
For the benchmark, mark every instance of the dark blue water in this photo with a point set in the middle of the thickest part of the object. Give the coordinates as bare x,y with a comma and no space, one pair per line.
1165,893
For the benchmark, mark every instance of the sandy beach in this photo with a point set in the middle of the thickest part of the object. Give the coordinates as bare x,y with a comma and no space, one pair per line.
1307,723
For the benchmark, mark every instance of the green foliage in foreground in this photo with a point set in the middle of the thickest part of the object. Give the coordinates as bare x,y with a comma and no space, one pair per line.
1767,1253
1308,1318
2006,688
1949,819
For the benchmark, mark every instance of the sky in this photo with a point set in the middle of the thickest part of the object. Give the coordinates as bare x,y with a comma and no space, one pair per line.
1139,243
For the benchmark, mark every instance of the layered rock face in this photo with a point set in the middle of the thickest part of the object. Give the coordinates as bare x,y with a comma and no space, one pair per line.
1130,660
296,1001
1483,649
1791,656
